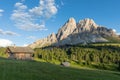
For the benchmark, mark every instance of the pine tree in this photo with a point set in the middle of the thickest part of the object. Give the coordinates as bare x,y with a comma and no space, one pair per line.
119,65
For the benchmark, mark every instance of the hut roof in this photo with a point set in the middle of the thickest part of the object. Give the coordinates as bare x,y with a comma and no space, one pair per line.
20,49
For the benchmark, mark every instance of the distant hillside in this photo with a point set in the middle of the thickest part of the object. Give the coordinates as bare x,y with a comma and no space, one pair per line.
32,70
71,33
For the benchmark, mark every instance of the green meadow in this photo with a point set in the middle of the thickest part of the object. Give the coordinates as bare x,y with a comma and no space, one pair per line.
33,70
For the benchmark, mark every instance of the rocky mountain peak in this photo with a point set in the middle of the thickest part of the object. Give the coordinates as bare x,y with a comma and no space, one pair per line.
87,24
67,29
52,38
71,20
53,35
71,33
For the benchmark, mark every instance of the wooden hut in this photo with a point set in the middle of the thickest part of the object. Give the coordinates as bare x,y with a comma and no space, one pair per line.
23,53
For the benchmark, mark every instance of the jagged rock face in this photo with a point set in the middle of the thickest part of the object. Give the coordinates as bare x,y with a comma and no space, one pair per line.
67,29
85,31
85,25
51,39
105,32
85,37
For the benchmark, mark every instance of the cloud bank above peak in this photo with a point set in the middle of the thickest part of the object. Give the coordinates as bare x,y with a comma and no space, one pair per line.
33,19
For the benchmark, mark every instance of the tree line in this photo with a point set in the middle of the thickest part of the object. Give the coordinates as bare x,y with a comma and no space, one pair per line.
104,57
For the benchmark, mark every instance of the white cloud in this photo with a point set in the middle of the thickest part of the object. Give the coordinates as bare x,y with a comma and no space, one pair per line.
46,8
31,37
33,19
20,6
114,30
1,11
10,33
25,45
5,42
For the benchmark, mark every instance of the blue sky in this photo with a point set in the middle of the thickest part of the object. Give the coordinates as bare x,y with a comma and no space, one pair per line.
24,21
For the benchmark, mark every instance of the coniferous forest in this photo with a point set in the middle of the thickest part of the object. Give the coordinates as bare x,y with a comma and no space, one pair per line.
100,56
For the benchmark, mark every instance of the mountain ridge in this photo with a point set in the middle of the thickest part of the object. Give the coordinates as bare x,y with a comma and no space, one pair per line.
71,33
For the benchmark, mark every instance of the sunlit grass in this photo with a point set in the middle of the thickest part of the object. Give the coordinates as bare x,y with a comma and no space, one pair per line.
34,70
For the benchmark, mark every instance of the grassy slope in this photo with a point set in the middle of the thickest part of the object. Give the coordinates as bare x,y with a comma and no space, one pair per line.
31,70
113,39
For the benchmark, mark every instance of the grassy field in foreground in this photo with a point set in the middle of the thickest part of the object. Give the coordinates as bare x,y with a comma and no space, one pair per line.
32,70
